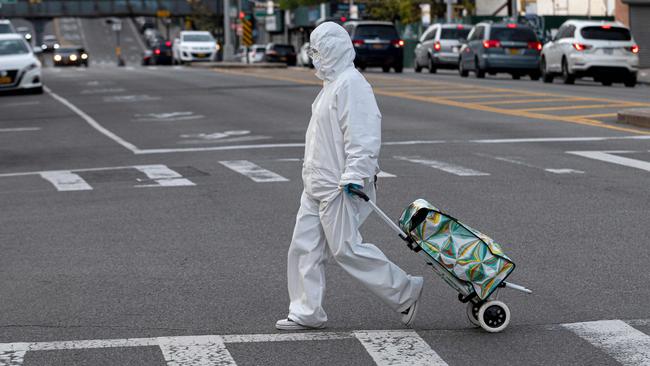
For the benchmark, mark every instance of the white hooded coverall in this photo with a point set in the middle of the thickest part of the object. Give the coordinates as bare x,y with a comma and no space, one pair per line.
342,146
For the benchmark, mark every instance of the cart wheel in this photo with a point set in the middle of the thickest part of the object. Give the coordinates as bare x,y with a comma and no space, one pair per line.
472,313
494,316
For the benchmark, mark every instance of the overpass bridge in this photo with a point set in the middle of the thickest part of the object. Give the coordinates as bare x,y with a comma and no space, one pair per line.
48,9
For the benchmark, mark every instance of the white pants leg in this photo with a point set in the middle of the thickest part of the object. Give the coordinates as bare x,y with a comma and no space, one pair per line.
334,224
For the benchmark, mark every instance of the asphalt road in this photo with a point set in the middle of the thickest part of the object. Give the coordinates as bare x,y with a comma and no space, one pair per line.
124,217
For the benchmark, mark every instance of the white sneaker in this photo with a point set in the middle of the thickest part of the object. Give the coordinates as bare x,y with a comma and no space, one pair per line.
288,324
409,314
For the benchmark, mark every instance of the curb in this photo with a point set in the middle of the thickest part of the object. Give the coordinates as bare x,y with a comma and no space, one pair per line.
637,116
236,65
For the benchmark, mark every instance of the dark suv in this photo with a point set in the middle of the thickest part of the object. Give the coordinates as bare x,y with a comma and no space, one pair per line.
492,48
284,53
376,44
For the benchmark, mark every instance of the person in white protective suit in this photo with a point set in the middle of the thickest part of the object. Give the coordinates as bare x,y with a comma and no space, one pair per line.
341,150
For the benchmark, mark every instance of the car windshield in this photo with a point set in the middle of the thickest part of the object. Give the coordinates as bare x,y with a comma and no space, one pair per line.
197,38
6,28
283,49
260,49
13,47
513,35
454,33
606,33
67,50
376,32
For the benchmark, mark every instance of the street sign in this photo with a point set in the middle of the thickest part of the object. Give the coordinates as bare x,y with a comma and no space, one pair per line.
247,32
163,13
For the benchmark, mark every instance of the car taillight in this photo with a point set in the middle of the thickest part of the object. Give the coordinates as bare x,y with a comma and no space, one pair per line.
535,45
606,26
633,49
581,47
437,46
398,43
156,51
460,26
358,42
168,44
491,43
512,25
271,52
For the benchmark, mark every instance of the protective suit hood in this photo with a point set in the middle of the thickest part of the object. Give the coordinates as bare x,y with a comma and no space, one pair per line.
335,49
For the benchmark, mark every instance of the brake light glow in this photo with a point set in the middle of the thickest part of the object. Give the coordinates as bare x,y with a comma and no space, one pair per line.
460,26
437,46
398,43
157,51
633,49
358,42
491,43
535,45
606,26
271,52
581,47
512,25
168,44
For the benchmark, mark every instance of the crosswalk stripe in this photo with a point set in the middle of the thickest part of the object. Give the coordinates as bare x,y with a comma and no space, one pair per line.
397,348
622,342
445,167
608,156
200,351
65,180
164,176
253,171
383,174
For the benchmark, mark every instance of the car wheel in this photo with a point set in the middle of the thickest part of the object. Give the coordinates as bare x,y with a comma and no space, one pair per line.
534,76
37,90
432,66
461,69
630,81
516,76
398,68
547,77
567,77
385,68
606,82
480,73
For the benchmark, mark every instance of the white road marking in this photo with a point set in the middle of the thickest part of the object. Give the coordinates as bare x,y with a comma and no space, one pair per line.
20,104
560,139
398,348
94,124
609,157
102,91
622,342
166,117
19,129
164,176
564,171
523,163
383,174
130,98
200,351
65,180
445,167
253,171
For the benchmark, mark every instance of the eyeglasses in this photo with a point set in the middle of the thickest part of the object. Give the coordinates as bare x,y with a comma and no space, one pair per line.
313,53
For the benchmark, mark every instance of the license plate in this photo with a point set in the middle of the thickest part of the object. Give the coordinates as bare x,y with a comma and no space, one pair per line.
514,51
455,49
378,46
608,51
5,80
200,55
283,58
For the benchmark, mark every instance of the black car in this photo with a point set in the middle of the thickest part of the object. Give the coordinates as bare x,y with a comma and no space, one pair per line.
70,56
161,54
376,44
285,53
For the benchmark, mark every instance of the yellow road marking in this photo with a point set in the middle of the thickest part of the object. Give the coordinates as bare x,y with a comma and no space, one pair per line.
585,106
487,95
459,104
600,115
544,100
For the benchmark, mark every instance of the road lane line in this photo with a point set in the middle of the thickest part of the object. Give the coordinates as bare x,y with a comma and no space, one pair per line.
253,171
523,163
199,350
383,174
560,139
522,101
65,180
585,106
445,167
601,115
286,337
398,347
19,129
164,176
609,157
620,341
94,124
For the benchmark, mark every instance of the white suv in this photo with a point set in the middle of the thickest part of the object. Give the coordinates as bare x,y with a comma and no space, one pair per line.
193,46
19,68
602,50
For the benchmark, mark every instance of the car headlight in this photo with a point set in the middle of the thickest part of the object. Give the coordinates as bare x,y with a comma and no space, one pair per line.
73,57
28,36
31,66
56,46
57,58
43,46
84,56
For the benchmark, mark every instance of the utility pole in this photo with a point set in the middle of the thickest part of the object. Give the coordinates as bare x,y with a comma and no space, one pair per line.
449,10
228,50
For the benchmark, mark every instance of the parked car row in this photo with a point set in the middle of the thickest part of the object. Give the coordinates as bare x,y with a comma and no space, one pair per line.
271,52
602,50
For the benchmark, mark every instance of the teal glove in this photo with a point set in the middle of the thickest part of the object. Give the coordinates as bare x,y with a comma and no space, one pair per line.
353,186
